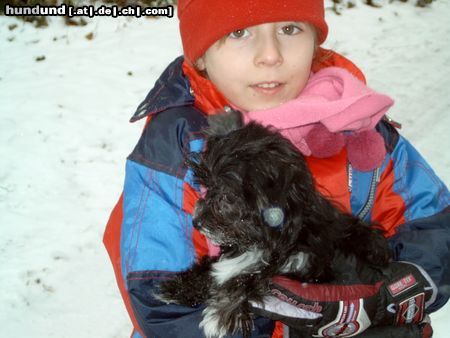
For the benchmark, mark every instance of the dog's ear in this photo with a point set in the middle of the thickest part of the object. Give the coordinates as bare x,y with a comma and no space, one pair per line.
224,123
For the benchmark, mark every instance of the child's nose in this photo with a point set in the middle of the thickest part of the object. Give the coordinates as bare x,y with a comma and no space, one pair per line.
268,51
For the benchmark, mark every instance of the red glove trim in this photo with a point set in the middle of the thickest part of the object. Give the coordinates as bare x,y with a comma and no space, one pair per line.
427,331
326,292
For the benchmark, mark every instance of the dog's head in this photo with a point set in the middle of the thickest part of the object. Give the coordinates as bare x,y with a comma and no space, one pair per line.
253,178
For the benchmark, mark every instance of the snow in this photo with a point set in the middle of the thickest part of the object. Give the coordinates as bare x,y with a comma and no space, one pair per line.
64,137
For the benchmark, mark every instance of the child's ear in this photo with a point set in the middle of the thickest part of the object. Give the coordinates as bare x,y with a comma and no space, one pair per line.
200,64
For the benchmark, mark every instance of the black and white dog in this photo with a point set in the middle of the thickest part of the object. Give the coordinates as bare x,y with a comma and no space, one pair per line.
262,209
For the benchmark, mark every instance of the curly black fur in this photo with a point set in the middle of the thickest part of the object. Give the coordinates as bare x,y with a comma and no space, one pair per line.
245,170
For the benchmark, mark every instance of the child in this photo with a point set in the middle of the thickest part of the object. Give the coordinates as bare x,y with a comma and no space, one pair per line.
263,58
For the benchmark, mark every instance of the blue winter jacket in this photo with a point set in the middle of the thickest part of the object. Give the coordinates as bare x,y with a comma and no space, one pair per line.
150,235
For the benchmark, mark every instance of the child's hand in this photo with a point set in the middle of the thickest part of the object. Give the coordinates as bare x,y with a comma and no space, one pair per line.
423,330
397,300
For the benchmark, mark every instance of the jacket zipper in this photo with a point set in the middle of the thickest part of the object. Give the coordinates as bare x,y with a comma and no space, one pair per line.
371,198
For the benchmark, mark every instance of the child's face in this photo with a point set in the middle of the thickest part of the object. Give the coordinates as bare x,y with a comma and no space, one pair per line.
262,66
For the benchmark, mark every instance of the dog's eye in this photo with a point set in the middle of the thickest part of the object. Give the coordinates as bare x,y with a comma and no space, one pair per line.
227,199
225,205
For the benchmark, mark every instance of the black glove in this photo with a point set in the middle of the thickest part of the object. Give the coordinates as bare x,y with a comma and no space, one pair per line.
398,297
422,330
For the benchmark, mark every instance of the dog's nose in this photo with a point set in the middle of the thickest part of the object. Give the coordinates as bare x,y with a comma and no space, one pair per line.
196,223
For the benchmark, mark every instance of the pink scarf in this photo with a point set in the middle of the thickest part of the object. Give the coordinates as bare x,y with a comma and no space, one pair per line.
334,110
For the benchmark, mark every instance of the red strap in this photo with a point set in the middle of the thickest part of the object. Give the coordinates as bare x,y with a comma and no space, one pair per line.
324,292
427,331
278,332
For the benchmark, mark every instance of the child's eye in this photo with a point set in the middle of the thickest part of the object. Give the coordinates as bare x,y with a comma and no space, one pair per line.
238,34
290,29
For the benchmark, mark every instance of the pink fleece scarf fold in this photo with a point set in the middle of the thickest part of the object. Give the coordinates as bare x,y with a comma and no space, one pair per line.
334,110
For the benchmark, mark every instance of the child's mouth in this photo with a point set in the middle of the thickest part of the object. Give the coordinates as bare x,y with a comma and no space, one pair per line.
268,88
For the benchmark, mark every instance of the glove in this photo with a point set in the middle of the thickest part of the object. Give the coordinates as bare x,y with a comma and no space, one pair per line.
398,296
411,331
422,330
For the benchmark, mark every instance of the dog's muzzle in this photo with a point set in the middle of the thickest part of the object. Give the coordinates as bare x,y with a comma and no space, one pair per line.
196,222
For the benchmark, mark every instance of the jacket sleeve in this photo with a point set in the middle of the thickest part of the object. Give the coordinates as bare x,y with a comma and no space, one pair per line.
412,204
157,238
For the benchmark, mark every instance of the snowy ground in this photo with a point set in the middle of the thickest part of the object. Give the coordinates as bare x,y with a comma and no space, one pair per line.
64,137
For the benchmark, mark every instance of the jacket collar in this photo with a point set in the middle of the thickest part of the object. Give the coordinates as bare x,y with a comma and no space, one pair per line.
172,89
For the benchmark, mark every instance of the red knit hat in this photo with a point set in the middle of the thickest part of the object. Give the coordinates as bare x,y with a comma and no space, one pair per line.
203,22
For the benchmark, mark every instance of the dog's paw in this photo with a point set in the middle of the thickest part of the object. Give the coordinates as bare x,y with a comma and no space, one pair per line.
171,292
168,291
164,298
218,323
211,323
